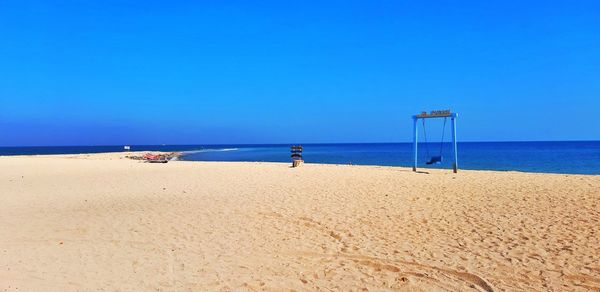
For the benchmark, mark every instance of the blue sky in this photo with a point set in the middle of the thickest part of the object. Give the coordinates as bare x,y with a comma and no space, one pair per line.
152,72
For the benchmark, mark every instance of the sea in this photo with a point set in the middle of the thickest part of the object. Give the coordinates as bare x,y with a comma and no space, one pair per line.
568,157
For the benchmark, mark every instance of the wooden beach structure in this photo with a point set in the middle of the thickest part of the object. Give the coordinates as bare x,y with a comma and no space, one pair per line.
296,155
445,114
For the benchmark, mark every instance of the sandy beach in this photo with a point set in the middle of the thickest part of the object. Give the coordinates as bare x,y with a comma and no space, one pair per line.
103,222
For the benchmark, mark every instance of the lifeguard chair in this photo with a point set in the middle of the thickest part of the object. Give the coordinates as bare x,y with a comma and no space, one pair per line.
296,155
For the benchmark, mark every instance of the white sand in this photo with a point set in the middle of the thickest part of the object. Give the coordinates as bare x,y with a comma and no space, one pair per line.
98,222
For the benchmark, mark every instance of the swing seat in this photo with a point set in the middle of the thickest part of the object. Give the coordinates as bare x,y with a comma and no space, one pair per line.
434,160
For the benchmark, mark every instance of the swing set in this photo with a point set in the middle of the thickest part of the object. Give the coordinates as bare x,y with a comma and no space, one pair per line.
437,159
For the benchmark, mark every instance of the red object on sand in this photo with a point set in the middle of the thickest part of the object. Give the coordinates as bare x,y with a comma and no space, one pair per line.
150,156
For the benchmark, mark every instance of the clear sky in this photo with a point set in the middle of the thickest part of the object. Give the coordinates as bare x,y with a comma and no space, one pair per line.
188,72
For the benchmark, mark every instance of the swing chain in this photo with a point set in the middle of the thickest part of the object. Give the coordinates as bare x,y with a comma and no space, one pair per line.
425,138
443,132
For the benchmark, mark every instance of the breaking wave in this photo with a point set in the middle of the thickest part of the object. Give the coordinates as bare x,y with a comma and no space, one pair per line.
208,150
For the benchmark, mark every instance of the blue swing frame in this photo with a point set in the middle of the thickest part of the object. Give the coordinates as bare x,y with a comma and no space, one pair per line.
433,115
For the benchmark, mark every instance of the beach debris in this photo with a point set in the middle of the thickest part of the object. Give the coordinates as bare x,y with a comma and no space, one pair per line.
155,158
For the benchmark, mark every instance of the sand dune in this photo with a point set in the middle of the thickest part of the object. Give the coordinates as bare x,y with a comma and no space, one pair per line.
101,222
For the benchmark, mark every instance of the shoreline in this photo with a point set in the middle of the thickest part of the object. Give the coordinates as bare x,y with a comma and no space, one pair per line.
183,153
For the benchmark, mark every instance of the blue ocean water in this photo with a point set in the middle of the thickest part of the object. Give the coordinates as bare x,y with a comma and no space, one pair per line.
573,157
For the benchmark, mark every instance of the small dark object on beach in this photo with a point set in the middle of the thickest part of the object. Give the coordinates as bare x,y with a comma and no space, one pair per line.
157,161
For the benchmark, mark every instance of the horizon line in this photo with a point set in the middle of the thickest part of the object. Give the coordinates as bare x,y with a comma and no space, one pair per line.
309,143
